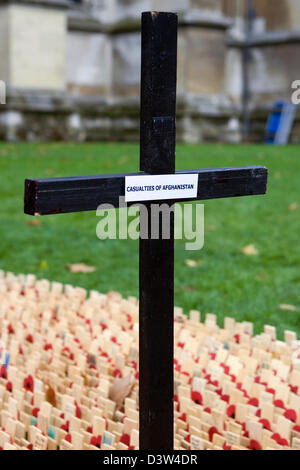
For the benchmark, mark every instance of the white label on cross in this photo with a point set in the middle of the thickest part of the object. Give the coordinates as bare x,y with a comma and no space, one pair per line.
160,187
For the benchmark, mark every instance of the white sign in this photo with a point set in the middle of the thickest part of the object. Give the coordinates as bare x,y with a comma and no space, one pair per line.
158,187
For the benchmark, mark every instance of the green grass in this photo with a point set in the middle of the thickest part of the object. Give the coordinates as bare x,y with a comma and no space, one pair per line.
227,283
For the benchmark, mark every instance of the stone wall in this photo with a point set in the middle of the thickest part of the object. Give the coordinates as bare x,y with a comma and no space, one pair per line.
75,73
4,43
278,14
278,62
273,66
126,64
88,63
32,49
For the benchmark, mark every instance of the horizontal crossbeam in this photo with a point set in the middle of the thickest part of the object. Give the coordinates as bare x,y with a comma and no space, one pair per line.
86,193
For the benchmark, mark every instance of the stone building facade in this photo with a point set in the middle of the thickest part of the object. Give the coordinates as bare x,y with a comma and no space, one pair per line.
72,68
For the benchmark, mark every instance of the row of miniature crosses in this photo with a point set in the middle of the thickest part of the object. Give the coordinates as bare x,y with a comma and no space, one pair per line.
69,375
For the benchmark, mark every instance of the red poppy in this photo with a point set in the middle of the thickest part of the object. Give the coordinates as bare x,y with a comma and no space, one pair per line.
230,411
296,428
258,413
215,383
291,415
65,427
183,417
78,411
9,387
237,338
29,383
293,388
226,368
196,397
226,447
48,346
279,404
117,373
35,412
225,398
185,373
3,372
270,390
211,432
89,429
266,424
207,410
254,445
253,402
68,438
10,329
96,441
29,338
125,439
281,441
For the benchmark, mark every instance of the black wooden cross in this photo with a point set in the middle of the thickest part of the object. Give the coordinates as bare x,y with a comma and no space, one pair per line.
157,156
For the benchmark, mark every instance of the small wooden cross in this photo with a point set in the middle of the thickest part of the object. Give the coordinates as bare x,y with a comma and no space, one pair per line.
157,157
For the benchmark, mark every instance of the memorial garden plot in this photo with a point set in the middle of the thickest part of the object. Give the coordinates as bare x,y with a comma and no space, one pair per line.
70,375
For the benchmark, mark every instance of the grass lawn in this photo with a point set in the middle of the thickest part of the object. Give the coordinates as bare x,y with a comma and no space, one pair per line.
226,282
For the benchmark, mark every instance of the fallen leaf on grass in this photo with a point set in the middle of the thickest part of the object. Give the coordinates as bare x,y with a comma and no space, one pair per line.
192,263
80,268
122,160
34,223
211,228
277,175
120,389
288,308
262,276
293,207
44,264
250,250
188,288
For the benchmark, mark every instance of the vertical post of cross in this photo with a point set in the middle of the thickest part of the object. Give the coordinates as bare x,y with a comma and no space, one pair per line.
158,113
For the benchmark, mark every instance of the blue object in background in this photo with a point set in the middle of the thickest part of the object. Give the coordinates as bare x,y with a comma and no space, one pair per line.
280,123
